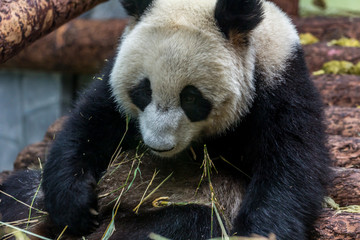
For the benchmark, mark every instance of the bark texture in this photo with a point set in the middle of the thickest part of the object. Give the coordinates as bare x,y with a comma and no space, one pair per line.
80,46
333,225
339,90
23,21
326,28
345,151
345,189
319,53
343,121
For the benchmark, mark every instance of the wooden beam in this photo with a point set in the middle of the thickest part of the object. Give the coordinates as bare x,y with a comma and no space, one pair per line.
81,46
23,21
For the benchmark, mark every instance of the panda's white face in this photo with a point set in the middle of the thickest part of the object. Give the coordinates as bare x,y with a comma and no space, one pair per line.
178,86
177,74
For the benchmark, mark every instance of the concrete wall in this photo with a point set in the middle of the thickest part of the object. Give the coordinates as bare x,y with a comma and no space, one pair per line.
29,103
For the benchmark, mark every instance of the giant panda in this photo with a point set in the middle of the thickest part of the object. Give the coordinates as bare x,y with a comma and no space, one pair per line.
193,81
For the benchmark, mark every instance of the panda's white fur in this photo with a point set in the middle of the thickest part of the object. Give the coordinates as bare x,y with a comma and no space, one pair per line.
274,40
177,43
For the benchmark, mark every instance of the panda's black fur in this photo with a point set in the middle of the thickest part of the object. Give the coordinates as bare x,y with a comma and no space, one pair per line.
277,142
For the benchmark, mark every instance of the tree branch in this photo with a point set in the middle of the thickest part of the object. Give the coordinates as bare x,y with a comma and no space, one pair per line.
79,46
23,21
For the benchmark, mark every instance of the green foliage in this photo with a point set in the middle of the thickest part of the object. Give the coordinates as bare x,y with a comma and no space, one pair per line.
329,202
307,39
345,42
339,67
332,8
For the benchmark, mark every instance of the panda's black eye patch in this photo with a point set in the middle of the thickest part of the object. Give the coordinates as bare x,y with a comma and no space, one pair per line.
141,94
195,106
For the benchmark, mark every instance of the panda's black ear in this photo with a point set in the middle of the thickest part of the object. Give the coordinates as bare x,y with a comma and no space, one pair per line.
238,15
136,8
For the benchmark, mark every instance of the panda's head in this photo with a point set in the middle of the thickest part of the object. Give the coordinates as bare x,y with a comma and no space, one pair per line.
185,68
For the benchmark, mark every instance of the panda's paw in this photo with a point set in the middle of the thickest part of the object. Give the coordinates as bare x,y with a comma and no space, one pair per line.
86,223
75,206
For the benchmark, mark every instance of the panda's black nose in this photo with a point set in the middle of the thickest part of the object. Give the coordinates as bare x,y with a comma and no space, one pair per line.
161,150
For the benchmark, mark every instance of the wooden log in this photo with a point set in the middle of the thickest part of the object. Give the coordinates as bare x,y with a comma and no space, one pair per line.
319,53
329,28
33,154
339,90
332,225
344,151
23,21
343,121
345,187
81,46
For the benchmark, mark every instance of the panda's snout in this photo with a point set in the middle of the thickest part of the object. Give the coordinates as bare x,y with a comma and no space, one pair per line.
160,130
159,144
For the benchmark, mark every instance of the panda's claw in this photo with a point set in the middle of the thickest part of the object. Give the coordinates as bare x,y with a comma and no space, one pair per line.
94,212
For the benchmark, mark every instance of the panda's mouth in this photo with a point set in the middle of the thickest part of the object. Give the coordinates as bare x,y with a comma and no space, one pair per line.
161,150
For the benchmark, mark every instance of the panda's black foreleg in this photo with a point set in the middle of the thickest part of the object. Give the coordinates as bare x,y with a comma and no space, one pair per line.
80,153
285,147
276,204
286,189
